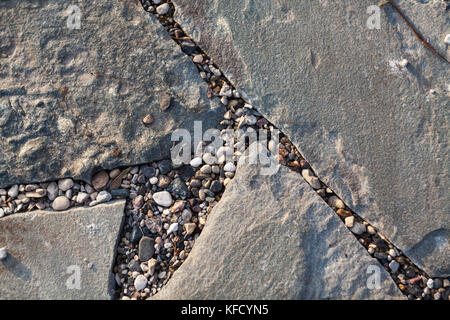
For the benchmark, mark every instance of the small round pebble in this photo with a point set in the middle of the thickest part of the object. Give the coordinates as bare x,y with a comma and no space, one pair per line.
140,282
196,162
229,167
60,203
13,191
100,180
65,184
163,9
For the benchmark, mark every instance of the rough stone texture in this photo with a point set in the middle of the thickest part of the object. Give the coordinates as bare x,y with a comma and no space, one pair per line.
42,245
74,100
272,237
371,130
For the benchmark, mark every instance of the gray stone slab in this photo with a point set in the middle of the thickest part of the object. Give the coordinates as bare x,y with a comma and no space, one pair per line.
272,237
47,250
73,100
370,128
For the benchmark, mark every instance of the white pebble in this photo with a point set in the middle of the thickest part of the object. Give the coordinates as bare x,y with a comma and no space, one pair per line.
447,39
196,162
173,228
163,9
349,222
229,167
82,197
13,191
163,198
403,63
65,184
103,196
140,282
394,265
153,180
3,253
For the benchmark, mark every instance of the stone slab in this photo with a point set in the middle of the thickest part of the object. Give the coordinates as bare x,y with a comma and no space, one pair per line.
73,100
47,251
370,128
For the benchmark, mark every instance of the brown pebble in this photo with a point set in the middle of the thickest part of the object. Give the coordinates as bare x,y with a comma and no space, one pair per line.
100,180
343,213
148,119
164,101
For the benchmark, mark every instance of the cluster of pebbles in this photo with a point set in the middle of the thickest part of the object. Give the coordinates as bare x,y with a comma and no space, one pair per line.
412,281
57,195
168,205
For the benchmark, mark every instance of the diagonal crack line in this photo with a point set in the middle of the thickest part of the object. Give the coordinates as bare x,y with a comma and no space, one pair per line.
410,279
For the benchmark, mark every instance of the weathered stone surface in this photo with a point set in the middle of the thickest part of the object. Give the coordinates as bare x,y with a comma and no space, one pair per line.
73,100
46,248
272,237
370,128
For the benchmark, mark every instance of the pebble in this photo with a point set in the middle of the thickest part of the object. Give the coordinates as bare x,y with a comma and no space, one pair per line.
430,283
216,186
38,193
122,193
153,180
140,282
60,203
403,63
151,264
13,191
138,202
172,228
392,253
394,265
196,162
190,227
163,198
65,184
100,180
358,228
2,212
206,169
148,119
3,253
162,9
208,158
148,171
371,230
198,58
336,202
146,248
447,39
114,173
313,181
229,167
103,196
82,197
136,235
349,222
